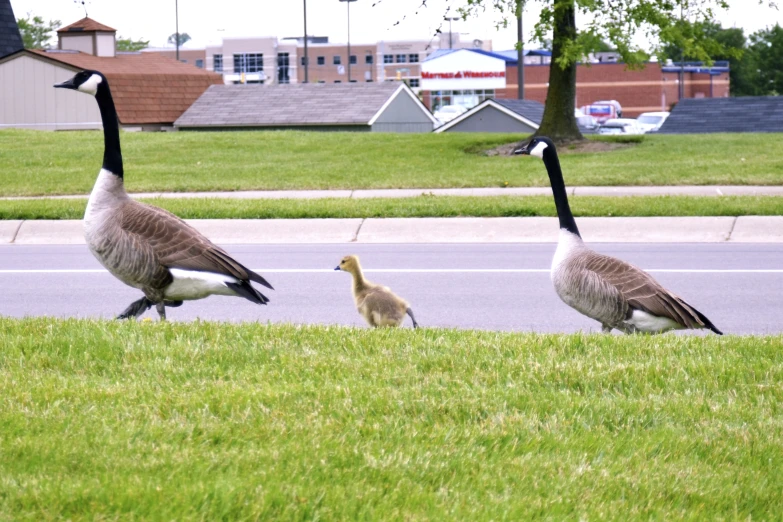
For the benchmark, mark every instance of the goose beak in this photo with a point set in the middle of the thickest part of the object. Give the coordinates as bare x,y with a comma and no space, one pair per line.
337,267
67,84
522,150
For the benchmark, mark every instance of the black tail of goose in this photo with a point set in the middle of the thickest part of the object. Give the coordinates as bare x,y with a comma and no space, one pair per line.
609,290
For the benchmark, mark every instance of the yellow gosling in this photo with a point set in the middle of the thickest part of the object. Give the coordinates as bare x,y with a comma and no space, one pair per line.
376,303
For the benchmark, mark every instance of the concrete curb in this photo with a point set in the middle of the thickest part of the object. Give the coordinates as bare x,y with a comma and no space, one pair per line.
685,190
750,229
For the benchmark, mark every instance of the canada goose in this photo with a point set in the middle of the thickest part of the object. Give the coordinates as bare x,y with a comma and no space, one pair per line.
146,247
377,303
613,292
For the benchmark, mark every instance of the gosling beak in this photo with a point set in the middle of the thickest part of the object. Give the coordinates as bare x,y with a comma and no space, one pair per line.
67,84
522,150
337,267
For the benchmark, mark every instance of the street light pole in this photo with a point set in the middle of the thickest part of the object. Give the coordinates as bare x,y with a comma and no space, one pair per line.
520,55
307,59
450,18
349,37
176,22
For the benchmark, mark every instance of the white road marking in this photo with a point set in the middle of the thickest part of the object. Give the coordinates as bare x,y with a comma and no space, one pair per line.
419,271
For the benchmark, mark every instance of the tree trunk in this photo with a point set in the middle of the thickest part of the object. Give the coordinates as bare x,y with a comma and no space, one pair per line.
559,122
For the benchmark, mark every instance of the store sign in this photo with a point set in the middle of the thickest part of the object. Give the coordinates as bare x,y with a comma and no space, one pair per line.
462,74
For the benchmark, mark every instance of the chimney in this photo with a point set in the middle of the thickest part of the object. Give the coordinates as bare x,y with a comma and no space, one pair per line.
88,36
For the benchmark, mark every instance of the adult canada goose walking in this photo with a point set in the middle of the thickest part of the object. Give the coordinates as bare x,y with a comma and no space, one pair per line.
378,304
146,247
613,292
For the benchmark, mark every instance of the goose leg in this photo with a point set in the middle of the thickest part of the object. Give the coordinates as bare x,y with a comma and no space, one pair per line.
161,308
410,313
136,308
605,328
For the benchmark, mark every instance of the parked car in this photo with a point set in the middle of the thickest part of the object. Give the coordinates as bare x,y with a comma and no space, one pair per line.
448,112
601,112
651,121
585,121
620,126
618,109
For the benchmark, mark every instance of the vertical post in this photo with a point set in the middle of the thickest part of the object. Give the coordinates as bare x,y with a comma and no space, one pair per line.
450,45
307,59
520,54
349,40
176,21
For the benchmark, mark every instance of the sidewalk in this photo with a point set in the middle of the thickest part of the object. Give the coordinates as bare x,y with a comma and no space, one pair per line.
748,229
676,190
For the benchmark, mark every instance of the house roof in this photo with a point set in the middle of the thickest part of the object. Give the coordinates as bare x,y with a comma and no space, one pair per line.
146,87
528,112
315,104
740,114
85,24
10,39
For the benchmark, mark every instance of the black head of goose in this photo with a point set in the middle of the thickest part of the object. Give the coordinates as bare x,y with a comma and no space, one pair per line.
147,247
376,303
613,292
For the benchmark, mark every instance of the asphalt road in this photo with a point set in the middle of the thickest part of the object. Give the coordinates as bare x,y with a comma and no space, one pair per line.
484,286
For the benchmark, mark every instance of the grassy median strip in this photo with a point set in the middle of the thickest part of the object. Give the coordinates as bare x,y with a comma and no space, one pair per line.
420,206
35,163
210,421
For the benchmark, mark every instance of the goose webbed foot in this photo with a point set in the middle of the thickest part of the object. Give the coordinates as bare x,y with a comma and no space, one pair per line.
136,309
161,308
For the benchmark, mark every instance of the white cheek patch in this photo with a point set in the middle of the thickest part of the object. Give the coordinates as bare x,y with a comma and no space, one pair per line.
538,150
91,85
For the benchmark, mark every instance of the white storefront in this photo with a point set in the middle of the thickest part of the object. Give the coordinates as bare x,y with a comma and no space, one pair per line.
462,77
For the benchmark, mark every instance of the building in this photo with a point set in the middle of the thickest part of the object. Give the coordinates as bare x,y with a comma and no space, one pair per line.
149,91
195,57
510,116
469,76
360,107
10,39
739,114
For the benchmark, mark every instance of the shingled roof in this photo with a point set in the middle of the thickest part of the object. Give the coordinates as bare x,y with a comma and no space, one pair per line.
740,114
85,24
316,104
10,39
147,88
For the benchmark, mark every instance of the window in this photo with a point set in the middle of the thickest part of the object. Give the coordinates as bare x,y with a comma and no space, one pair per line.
352,59
400,58
388,58
283,68
338,81
336,60
200,64
414,82
413,58
368,59
248,63
321,60
304,61
217,63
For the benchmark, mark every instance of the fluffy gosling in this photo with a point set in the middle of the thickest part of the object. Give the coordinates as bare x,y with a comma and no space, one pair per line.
376,303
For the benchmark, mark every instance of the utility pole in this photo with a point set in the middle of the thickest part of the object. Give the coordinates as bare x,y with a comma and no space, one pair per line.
176,22
306,58
520,54
450,18
349,37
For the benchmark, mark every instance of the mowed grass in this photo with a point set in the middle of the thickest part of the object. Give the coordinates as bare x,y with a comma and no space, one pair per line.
421,206
36,163
208,421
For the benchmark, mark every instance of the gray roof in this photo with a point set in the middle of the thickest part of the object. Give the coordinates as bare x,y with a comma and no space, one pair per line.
10,39
288,105
528,109
741,114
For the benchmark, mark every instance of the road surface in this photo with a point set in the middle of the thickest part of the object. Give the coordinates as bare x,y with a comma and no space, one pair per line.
482,286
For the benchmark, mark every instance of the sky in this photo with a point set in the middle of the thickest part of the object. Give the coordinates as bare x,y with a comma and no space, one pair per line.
207,22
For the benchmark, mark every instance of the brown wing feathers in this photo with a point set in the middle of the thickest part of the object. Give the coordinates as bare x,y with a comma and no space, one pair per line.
178,245
642,292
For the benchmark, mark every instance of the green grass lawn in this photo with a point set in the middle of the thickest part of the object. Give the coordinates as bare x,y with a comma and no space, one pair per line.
209,421
35,163
421,206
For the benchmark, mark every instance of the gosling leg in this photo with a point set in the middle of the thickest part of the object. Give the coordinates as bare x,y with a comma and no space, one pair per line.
136,309
410,313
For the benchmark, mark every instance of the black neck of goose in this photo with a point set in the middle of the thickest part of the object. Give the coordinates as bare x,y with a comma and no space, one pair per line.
559,191
112,155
